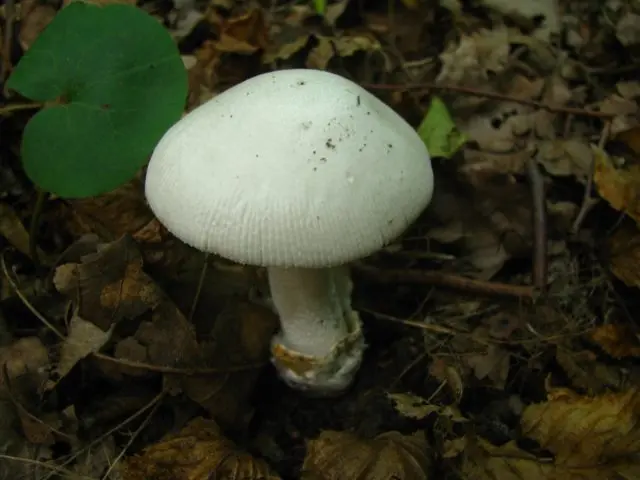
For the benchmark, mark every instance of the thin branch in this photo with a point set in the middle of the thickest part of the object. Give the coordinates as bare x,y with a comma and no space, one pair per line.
492,95
587,200
447,280
539,219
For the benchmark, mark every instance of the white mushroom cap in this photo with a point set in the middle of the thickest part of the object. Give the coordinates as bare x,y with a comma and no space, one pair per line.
296,168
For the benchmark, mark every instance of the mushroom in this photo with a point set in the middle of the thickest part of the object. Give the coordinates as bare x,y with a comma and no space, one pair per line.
299,171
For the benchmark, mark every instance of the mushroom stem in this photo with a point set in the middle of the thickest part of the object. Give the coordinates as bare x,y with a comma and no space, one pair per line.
313,305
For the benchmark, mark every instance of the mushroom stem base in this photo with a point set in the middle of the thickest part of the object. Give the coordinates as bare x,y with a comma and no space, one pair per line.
322,376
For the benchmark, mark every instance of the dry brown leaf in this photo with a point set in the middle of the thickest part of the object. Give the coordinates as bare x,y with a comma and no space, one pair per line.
84,338
416,407
243,334
12,229
564,157
469,61
35,16
343,46
485,461
620,187
444,372
197,452
341,455
617,340
587,432
625,110
244,34
493,365
26,356
412,406
624,254
631,138
586,372
119,212
453,448
110,283
628,29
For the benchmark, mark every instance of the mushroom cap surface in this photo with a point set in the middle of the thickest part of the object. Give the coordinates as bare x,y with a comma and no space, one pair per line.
295,168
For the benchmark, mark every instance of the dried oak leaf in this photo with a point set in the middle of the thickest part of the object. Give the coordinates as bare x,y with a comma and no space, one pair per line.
340,455
598,433
198,452
617,340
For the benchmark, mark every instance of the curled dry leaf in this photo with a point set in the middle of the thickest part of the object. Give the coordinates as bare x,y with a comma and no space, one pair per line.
342,455
617,340
599,434
198,452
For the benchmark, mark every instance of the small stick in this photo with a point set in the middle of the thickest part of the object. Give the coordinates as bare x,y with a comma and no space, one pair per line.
587,201
492,95
447,280
539,218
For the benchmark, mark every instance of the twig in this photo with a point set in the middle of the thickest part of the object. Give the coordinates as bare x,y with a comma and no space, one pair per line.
203,275
36,215
539,219
21,408
9,15
135,434
54,468
175,370
16,107
587,201
26,302
152,403
492,95
447,280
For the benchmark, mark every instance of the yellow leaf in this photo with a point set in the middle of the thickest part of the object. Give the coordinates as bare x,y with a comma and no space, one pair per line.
587,432
620,187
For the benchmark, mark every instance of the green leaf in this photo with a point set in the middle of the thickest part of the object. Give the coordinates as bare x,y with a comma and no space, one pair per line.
320,6
114,82
438,131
